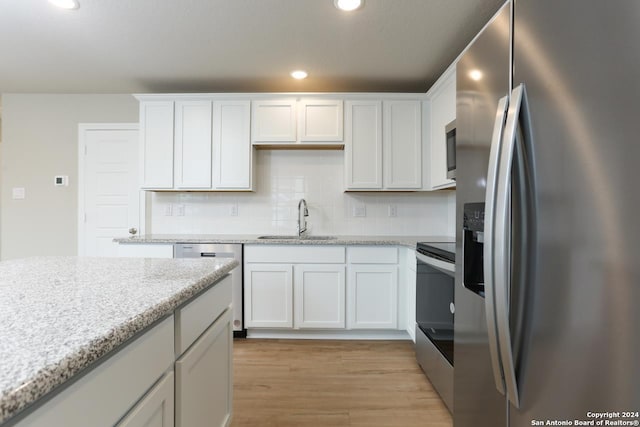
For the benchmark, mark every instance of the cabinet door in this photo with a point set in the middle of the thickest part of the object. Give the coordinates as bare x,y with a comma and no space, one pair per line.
320,120
268,299
204,378
156,144
372,297
363,145
407,291
232,145
139,250
402,145
274,121
193,144
319,291
155,409
443,111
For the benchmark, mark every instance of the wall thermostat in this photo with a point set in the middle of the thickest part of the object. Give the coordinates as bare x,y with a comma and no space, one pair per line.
61,180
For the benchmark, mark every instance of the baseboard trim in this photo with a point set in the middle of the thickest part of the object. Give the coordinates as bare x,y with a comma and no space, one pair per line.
328,335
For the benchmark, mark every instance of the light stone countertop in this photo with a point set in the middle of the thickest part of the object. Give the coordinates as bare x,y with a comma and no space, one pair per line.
407,241
61,314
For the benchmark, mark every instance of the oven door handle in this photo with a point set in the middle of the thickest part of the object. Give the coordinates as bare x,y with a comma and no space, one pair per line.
444,266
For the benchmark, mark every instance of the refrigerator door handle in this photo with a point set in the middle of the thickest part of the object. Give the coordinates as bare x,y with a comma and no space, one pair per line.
502,249
488,256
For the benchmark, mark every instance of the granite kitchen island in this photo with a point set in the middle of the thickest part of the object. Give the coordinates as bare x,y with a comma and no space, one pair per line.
98,340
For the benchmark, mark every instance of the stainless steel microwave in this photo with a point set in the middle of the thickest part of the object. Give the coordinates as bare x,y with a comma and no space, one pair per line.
450,131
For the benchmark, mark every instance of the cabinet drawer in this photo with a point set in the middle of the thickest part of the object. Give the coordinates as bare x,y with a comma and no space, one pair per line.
372,255
292,254
194,318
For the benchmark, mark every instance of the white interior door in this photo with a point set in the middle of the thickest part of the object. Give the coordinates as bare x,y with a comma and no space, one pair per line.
109,193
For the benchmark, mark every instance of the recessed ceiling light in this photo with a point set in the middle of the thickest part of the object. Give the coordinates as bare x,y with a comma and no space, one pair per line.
299,74
475,75
348,5
66,4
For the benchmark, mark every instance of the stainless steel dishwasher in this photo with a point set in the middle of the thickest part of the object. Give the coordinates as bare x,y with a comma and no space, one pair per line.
186,250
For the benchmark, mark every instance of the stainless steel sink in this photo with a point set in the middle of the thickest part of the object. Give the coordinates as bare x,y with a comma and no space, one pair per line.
297,237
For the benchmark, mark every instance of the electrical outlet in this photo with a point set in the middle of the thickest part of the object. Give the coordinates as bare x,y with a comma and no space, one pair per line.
180,210
168,210
393,211
359,211
233,210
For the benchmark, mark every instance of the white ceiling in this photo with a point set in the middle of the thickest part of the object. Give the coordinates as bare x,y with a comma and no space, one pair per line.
124,46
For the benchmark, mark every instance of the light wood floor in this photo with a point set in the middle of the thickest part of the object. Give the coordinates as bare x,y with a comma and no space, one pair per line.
332,383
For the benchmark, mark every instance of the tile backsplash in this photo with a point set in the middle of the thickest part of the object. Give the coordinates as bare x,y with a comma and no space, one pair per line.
281,179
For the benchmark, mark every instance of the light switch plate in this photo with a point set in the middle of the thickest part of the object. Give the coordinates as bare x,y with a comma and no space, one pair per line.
17,193
168,210
393,211
61,180
233,210
180,210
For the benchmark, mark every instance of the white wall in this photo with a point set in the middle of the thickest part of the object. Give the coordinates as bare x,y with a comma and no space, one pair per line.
39,141
282,179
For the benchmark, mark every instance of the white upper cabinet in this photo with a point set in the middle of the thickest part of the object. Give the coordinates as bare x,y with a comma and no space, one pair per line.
193,144
274,121
443,110
156,144
297,123
320,120
205,142
383,145
402,145
232,145
363,145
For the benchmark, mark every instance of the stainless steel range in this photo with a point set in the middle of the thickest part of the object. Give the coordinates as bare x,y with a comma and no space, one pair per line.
435,266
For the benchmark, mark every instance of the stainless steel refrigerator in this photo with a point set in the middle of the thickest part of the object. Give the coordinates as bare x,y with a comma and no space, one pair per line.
547,290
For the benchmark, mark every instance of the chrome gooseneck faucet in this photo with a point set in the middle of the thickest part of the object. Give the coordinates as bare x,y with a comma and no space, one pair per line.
302,215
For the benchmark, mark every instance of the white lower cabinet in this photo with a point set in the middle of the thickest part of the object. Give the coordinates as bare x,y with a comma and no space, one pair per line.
372,295
107,392
152,381
294,286
319,296
321,287
155,409
294,296
409,269
204,378
268,298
